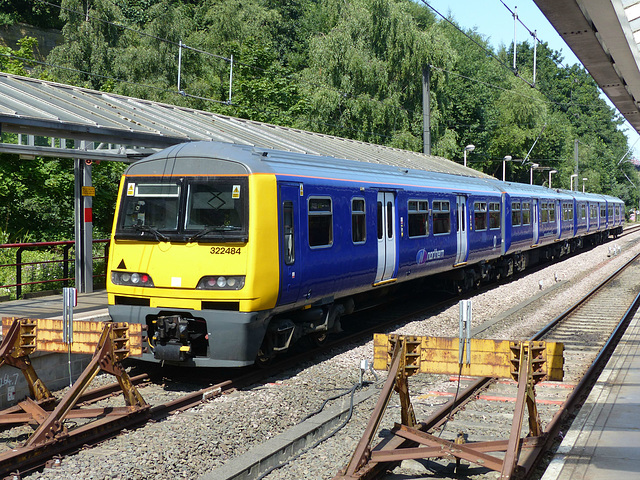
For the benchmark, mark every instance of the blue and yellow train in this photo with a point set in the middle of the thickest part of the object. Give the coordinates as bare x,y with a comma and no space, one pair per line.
230,253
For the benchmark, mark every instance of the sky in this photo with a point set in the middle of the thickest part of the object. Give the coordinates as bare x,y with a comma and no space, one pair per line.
492,19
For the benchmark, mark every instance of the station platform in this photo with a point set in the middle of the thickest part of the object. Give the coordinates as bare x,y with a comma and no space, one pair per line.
90,305
56,370
603,442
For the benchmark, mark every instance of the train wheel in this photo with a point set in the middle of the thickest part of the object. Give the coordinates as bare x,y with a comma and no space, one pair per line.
319,339
263,359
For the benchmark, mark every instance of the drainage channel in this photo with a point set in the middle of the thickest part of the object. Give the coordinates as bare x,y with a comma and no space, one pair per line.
288,445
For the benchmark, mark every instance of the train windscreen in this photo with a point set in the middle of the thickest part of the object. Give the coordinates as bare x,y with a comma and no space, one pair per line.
186,209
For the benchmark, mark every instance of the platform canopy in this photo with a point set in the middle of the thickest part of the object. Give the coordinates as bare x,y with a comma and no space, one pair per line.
108,126
604,35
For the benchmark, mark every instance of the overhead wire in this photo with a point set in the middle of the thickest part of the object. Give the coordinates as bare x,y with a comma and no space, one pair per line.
503,64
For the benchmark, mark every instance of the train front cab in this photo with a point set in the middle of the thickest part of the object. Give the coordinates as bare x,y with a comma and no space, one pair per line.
203,292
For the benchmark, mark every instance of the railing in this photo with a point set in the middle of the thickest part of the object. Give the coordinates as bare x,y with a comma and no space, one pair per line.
54,248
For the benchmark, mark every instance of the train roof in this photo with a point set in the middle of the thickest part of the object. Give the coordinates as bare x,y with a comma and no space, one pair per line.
194,159
590,197
515,189
327,146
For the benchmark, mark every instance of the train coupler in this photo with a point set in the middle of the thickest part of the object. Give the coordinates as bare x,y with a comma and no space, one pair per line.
172,340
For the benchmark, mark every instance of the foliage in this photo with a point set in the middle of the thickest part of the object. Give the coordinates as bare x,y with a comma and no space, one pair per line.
363,79
351,69
17,61
31,12
36,198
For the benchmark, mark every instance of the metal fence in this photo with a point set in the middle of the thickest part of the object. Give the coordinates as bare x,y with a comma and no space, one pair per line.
36,275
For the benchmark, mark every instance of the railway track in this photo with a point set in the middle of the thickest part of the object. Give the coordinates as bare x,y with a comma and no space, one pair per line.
589,330
161,410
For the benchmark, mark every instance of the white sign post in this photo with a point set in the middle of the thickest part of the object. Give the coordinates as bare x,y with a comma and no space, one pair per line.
69,300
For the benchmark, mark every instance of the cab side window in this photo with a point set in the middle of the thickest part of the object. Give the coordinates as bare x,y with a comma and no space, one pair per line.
289,247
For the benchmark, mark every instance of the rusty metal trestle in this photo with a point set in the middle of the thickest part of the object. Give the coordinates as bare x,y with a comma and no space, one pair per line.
403,356
112,346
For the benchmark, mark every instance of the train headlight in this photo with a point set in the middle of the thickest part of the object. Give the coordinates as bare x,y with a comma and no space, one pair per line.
221,282
134,279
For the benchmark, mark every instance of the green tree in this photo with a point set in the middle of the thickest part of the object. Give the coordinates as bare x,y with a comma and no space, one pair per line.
17,61
30,12
87,57
364,75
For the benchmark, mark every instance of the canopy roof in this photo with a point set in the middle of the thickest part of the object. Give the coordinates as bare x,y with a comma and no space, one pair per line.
35,107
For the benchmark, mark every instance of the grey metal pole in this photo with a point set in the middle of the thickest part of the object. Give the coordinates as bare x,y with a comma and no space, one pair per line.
88,230
426,109
78,164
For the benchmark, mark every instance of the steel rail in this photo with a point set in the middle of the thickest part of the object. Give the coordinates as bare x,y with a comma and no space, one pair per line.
530,456
35,457
582,389
28,459
553,323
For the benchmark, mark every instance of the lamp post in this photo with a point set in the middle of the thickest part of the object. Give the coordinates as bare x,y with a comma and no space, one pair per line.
468,148
551,172
575,175
533,165
504,166
584,182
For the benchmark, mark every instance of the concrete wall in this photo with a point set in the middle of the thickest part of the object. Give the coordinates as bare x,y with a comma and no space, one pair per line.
47,39
52,368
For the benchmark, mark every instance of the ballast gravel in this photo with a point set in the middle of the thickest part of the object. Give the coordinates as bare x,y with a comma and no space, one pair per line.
194,443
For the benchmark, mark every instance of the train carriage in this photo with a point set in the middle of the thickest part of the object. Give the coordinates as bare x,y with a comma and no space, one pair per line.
231,253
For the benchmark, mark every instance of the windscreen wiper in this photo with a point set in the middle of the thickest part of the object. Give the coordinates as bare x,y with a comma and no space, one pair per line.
212,228
161,237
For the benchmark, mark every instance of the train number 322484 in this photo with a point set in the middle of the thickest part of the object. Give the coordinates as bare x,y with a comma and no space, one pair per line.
224,250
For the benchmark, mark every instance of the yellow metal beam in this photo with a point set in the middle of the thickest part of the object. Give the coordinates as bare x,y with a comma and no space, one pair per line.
489,358
86,335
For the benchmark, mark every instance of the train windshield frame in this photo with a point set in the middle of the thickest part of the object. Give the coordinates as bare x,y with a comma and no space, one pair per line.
185,209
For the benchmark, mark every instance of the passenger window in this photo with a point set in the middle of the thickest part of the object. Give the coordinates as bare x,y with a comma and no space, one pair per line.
567,212
289,255
480,215
494,215
552,212
516,216
583,212
418,211
320,222
603,211
544,213
441,217
526,213
358,221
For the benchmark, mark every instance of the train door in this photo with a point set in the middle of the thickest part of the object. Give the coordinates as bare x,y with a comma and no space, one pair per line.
558,217
462,240
289,240
536,225
386,236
